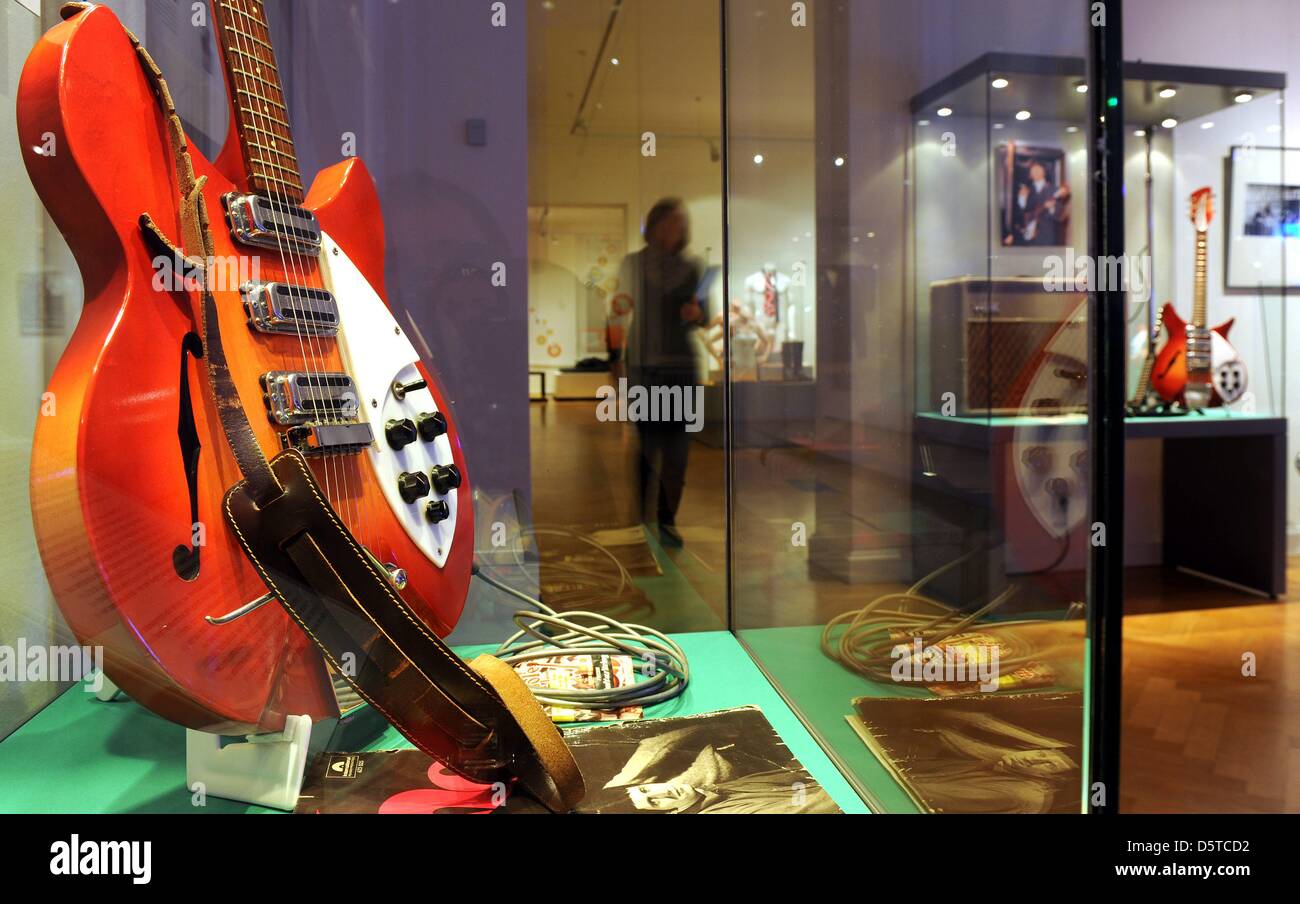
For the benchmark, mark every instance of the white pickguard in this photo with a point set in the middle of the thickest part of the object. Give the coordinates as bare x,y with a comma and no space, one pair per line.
376,352
1228,371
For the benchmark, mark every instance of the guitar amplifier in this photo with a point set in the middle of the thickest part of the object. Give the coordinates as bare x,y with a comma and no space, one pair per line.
989,342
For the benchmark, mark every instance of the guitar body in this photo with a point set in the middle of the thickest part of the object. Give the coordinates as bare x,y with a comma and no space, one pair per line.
135,546
1169,375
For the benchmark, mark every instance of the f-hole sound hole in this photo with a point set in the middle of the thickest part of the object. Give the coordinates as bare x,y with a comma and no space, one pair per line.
185,558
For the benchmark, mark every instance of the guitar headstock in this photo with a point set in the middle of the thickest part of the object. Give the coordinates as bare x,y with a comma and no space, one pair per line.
1201,208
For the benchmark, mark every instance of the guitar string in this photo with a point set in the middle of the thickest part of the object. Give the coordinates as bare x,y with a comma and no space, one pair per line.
345,472
231,26
295,264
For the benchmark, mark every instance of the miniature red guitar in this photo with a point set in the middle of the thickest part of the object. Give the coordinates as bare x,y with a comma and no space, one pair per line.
129,465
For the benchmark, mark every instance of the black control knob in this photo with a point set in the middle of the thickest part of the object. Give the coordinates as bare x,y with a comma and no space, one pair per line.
445,478
437,511
401,433
413,486
431,426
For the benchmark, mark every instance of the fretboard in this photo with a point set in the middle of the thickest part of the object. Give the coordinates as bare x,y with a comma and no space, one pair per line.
260,109
1198,293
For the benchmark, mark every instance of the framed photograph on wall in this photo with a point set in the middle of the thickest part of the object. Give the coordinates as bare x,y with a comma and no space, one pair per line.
1033,195
1263,222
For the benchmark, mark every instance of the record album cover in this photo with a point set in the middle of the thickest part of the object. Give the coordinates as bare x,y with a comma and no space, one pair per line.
730,761
984,753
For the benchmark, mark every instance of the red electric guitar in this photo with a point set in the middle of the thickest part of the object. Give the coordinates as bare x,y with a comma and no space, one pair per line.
129,465
1198,366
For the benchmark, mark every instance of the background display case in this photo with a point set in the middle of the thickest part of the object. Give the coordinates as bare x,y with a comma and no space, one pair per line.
890,214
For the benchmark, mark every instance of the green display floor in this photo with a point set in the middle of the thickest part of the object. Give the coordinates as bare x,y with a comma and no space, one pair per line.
82,756
825,691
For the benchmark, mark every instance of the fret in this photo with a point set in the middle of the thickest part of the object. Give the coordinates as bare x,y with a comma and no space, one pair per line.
256,114
284,169
274,103
251,56
269,178
256,23
284,154
246,74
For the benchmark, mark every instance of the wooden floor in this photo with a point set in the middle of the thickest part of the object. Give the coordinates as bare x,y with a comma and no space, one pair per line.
1198,734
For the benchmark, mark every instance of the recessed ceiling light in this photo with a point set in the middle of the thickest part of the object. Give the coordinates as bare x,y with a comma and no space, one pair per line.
1244,97
1071,129
839,161
1168,91
1207,125
923,122
944,111
999,83
613,61
1081,87
758,159
1140,133
1023,115
998,125
1169,123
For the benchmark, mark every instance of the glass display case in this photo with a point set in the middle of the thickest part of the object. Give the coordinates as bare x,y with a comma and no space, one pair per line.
736,372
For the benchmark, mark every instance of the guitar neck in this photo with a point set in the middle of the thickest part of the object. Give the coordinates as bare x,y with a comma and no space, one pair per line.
1199,315
260,111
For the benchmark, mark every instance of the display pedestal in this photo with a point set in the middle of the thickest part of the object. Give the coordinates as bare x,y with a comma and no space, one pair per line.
263,769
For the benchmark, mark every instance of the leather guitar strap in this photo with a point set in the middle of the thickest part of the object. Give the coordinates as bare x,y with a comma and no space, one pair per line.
479,720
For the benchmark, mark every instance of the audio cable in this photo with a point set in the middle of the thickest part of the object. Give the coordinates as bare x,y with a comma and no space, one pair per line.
659,662
864,640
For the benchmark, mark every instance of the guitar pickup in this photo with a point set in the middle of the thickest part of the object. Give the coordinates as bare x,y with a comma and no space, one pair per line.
277,307
295,398
275,225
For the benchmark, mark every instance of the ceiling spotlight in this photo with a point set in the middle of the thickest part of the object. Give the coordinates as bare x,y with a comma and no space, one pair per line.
839,161
758,160
1207,125
1023,115
613,61
1072,129
1081,87
999,83
944,111
1244,97
1168,91
1168,123
1140,133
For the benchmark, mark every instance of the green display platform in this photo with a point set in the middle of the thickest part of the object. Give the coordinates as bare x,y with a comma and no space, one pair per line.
82,756
824,692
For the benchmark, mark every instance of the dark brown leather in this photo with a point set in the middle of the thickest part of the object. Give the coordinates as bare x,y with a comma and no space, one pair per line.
339,596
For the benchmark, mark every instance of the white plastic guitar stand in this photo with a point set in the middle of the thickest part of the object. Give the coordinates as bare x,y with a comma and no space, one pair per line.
108,691
262,769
